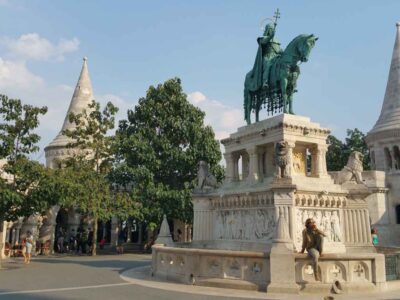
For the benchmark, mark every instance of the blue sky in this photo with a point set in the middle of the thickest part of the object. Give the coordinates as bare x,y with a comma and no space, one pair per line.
210,45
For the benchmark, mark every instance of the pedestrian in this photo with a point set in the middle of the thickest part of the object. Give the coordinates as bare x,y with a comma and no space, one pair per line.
374,236
121,240
102,243
79,241
84,241
29,246
313,243
90,240
60,241
23,250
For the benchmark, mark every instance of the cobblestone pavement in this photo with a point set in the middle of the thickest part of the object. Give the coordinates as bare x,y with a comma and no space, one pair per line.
85,277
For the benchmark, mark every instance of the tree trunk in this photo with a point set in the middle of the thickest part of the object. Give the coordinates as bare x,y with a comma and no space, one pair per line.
94,239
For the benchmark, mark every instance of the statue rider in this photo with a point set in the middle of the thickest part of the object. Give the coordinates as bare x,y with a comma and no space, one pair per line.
268,48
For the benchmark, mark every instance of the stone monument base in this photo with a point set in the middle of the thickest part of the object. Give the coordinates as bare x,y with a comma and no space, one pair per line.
249,270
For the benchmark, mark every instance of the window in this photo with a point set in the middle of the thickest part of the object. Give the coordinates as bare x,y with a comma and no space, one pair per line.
388,159
396,154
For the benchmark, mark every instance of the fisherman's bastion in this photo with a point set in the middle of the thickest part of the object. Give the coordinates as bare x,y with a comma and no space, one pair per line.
247,230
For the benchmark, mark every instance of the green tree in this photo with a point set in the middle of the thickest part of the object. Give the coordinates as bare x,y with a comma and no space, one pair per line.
159,147
20,176
335,160
85,176
355,142
339,152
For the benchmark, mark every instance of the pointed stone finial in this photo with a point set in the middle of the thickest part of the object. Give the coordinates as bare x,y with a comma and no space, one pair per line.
282,230
398,24
82,97
164,237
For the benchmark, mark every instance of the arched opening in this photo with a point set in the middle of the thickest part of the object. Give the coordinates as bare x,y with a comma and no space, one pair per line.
373,166
398,214
388,158
60,233
240,167
396,157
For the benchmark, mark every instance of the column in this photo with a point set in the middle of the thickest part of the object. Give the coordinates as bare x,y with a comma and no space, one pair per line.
230,167
236,167
351,223
13,236
359,226
367,225
320,161
289,168
245,165
253,165
315,168
364,227
347,225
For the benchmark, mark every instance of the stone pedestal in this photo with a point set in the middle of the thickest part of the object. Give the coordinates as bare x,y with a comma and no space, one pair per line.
238,232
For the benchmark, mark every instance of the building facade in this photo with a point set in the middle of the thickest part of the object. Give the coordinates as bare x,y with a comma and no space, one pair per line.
384,143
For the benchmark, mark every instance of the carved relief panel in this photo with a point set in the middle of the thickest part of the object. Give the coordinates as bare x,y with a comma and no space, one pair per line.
326,220
250,224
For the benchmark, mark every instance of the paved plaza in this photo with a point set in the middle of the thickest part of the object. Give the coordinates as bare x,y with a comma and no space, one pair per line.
82,277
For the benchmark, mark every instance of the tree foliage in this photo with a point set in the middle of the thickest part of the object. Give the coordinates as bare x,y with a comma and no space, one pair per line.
86,185
159,147
339,152
21,176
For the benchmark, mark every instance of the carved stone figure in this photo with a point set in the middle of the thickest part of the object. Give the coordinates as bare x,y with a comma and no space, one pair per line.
336,232
353,169
205,178
326,225
281,159
272,81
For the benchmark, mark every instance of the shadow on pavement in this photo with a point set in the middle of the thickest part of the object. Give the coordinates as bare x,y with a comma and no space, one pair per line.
115,264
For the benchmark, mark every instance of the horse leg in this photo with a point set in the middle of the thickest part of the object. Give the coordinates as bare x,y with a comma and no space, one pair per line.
290,105
257,112
284,94
247,106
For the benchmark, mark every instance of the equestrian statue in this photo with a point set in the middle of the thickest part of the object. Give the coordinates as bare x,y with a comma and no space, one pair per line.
272,81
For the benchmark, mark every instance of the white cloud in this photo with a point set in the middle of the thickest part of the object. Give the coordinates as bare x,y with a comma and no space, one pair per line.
222,118
17,81
32,46
14,75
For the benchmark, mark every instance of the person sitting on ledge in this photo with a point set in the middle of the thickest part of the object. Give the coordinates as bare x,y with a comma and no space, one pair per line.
313,243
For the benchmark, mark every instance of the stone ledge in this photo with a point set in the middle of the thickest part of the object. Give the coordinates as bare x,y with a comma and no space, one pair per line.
228,284
196,251
341,256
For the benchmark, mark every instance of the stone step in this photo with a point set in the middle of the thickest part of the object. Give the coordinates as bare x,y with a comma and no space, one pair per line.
228,284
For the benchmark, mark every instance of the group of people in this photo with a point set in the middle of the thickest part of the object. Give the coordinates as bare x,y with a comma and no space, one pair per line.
80,243
313,241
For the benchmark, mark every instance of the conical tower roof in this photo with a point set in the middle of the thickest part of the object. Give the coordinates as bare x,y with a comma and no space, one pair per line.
389,118
83,95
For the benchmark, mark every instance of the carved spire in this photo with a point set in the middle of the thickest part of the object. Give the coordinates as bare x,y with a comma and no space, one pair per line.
282,230
164,237
390,113
82,96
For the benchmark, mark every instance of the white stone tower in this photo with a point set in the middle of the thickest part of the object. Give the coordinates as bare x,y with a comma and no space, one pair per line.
384,144
83,95
58,150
